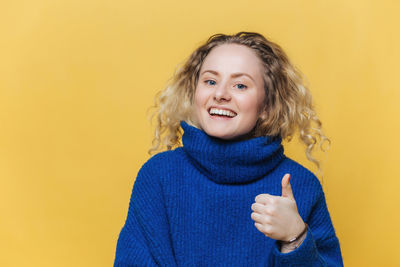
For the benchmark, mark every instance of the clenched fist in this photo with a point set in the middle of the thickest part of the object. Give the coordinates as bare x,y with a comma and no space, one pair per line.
277,216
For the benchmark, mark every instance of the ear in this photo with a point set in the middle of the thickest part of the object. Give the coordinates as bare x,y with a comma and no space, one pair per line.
263,115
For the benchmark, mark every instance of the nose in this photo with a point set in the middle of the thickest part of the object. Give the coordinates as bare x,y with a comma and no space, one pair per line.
222,93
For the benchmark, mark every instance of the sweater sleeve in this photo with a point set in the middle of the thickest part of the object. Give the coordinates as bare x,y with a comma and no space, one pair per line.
144,239
319,248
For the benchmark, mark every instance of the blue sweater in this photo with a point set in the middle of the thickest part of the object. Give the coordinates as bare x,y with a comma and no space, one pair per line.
191,206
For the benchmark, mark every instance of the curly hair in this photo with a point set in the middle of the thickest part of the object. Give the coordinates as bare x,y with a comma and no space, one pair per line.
287,105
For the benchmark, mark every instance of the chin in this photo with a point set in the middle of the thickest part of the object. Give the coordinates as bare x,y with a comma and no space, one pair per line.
225,136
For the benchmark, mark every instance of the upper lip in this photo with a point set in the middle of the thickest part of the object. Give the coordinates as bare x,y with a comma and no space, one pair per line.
224,108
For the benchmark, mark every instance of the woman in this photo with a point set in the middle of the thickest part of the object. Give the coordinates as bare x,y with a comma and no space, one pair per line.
226,197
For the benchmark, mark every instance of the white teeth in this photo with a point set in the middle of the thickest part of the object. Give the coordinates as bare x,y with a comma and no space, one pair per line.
222,112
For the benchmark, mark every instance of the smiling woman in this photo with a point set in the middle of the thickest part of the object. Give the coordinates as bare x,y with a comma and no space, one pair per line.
227,67
235,99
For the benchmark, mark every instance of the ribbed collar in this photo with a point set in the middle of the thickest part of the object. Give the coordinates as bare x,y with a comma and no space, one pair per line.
231,162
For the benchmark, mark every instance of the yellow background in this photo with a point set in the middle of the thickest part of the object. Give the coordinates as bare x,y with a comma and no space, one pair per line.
76,79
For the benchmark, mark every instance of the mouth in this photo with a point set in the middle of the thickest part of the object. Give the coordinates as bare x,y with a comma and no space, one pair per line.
221,113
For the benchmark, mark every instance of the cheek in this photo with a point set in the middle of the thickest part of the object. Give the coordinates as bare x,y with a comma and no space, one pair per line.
250,104
198,103
261,104
200,98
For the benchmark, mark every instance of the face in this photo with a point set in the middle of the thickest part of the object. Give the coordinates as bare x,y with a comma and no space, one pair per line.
230,92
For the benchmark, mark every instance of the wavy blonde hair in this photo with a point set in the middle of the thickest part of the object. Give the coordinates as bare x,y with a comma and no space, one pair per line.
287,106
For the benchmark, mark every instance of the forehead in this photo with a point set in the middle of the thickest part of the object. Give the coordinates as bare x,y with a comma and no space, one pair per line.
233,58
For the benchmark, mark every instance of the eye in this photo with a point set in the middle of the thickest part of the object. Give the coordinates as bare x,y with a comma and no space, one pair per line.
210,82
241,86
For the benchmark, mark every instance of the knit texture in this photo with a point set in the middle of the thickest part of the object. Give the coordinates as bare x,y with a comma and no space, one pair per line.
191,206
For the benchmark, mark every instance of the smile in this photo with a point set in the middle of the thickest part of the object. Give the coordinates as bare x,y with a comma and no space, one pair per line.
221,112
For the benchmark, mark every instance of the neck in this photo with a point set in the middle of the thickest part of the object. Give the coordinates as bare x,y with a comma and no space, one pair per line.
238,160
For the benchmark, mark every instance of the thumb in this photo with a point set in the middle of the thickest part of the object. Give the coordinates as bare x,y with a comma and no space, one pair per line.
286,187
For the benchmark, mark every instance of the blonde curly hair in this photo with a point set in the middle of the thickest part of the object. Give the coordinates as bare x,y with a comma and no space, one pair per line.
287,106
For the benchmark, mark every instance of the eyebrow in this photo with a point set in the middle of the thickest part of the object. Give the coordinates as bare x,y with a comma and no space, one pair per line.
233,75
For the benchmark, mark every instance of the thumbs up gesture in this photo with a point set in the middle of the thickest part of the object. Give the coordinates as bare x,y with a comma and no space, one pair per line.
277,216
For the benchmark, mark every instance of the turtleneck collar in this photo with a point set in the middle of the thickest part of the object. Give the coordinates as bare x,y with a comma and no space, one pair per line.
231,162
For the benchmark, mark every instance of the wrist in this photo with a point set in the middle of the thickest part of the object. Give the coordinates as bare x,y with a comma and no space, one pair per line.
288,247
292,244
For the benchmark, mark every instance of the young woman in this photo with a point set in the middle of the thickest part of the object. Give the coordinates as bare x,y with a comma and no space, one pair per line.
228,196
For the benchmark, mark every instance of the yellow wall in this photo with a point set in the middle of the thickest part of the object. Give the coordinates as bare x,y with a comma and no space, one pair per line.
76,78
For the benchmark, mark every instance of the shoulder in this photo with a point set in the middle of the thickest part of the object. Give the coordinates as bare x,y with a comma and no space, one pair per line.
152,173
160,162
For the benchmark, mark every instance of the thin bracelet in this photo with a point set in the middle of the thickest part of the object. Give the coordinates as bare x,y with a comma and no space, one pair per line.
297,237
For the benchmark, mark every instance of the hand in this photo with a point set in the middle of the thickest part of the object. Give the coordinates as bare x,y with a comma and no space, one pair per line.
277,216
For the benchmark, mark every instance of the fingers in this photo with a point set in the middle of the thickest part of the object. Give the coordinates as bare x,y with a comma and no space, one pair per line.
265,199
265,229
286,187
285,180
263,209
275,215
261,218
266,204
259,208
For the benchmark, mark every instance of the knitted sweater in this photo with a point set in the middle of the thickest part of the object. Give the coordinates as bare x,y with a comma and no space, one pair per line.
191,206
